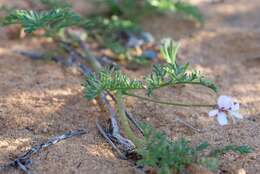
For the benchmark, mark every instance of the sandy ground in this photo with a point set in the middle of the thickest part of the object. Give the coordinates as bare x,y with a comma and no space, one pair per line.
39,99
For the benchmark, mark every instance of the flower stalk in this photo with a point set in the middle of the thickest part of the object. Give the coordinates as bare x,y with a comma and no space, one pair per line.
168,103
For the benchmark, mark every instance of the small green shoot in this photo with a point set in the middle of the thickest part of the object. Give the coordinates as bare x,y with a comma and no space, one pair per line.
169,50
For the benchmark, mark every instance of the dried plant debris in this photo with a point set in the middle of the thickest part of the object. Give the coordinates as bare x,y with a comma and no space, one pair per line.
23,160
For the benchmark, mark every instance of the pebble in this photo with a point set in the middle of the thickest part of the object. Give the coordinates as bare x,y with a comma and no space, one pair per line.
149,54
133,42
241,171
147,37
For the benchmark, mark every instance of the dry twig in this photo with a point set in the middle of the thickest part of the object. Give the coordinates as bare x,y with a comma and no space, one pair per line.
23,160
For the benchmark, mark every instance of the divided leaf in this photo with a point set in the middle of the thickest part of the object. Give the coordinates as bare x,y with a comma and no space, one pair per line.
108,80
171,73
50,4
162,154
189,10
128,8
202,146
244,149
31,20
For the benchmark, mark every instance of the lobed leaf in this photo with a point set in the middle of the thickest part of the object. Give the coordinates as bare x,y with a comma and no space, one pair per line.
133,9
163,154
31,20
244,149
108,80
171,73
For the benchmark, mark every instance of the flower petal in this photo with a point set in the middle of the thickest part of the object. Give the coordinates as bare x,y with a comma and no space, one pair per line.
213,113
225,102
222,119
236,115
235,107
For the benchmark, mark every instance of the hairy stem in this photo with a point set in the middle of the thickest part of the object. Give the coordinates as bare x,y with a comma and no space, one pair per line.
124,121
167,103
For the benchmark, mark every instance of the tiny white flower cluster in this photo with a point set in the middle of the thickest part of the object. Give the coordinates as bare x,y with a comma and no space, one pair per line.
226,107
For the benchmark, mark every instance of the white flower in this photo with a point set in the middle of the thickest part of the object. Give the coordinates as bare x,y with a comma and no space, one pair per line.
226,107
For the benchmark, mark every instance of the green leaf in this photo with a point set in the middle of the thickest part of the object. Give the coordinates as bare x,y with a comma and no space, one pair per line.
189,10
202,146
54,20
171,73
155,79
133,9
244,149
210,162
106,30
163,154
108,80
50,4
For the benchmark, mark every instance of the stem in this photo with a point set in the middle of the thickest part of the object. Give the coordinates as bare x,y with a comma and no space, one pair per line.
167,103
124,121
176,83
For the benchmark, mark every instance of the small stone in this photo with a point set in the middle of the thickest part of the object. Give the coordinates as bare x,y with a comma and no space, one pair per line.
133,41
45,130
241,171
149,54
147,37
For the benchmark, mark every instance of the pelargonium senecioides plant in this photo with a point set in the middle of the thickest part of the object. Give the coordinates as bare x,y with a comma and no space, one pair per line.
169,74
155,148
